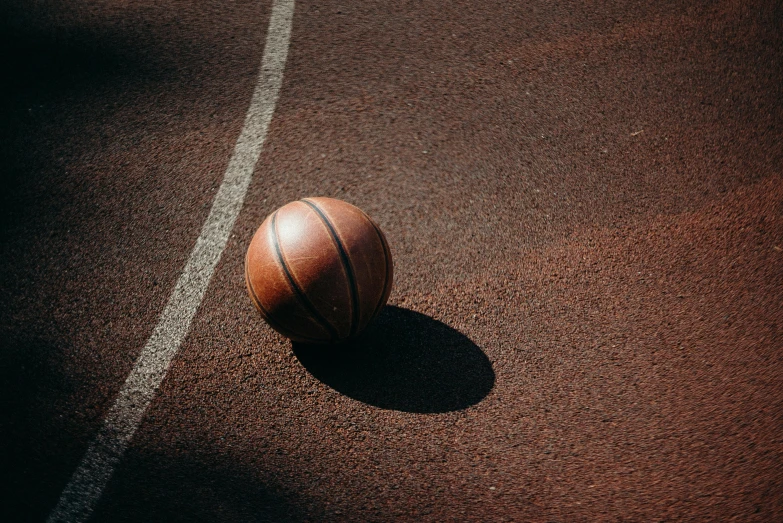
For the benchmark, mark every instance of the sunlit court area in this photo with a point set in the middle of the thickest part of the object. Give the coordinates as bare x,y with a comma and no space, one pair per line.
369,261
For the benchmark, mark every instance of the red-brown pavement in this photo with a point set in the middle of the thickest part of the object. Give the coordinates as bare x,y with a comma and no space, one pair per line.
584,201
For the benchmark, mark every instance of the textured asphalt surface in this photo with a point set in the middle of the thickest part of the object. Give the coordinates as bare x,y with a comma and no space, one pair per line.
584,201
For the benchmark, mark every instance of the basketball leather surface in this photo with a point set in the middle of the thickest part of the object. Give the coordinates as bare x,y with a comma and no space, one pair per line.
319,270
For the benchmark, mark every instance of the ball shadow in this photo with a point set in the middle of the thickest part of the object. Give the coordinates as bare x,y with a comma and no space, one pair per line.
404,361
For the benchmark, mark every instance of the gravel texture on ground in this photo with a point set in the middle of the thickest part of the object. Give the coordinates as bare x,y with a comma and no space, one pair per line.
584,201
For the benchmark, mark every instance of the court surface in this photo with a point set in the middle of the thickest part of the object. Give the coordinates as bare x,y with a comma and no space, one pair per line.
584,202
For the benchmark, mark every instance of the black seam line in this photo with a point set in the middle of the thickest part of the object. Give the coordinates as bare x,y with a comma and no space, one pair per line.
268,315
386,259
346,265
297,291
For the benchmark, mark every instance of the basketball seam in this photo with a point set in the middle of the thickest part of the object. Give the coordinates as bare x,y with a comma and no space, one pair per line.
386,260
298,293
268,315
347,265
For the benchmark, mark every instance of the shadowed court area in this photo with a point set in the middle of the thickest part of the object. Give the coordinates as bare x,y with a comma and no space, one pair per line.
194,488
404,361
584,204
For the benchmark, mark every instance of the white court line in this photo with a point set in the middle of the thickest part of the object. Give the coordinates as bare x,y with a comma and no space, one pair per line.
93,473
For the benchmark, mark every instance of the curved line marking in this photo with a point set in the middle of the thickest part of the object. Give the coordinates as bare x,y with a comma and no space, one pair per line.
96,468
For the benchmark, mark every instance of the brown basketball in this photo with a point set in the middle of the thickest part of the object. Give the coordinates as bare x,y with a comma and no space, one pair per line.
318,270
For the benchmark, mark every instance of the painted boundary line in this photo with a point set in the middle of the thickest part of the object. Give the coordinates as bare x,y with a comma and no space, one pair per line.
85,487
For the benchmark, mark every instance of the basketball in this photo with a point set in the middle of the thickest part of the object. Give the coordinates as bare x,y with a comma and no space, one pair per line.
318,270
